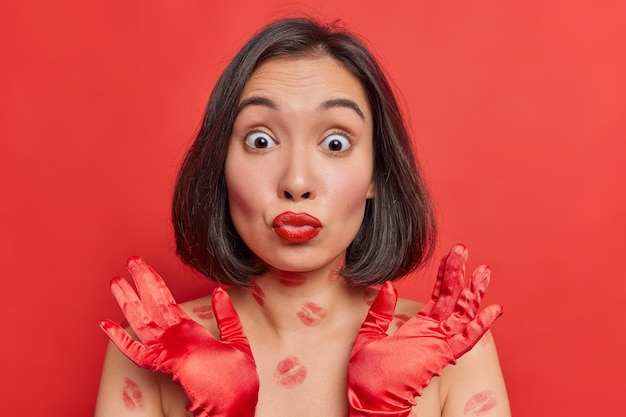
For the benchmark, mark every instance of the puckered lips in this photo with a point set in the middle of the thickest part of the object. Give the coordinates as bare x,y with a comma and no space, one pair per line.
296,227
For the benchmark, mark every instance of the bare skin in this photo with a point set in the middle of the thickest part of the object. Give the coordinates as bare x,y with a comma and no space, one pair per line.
303,143
277,333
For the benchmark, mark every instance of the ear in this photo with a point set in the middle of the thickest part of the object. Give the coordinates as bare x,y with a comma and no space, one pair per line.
371,190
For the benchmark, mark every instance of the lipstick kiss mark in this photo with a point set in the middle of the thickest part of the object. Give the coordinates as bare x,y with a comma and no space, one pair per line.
291,279
258,294
311,314
131,395
290,372
368,296
480,403
204,312
332,274
399,320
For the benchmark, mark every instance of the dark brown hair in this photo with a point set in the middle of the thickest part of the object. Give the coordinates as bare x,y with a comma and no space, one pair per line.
398,230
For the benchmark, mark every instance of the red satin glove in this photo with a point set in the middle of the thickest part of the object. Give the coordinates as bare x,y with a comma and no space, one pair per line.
386,373
218,376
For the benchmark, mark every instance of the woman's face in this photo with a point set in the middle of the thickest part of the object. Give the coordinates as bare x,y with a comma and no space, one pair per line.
300,161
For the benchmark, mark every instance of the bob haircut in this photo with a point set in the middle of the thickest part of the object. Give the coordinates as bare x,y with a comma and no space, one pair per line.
398,230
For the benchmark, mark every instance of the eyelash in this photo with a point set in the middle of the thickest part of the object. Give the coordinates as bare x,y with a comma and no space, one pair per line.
250,132
343,134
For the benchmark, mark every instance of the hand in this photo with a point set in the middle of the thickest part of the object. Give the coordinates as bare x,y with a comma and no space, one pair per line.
218,376
386,373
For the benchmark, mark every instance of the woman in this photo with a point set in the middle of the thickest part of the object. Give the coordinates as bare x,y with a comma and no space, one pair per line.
301,193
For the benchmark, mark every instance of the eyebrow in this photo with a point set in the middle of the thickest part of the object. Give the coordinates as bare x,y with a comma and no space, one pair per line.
342,102
326,105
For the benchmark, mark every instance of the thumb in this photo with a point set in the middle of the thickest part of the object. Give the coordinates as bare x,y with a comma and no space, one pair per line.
227,318
379,315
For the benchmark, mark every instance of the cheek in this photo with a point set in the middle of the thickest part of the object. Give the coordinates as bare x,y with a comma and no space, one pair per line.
243,190
348,196
247,194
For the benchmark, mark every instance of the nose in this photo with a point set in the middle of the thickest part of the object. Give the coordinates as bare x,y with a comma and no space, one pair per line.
298,179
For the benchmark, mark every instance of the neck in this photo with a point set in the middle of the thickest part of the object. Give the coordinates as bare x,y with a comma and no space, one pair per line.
286,303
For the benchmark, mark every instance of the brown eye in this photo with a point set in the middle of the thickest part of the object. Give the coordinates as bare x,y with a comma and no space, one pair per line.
336,143
260,140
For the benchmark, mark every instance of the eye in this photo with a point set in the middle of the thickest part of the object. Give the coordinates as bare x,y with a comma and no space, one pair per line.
259,140
336,143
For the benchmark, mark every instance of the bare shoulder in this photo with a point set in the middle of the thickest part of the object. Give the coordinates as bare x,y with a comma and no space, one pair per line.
405,309
475,384
125,389
201,311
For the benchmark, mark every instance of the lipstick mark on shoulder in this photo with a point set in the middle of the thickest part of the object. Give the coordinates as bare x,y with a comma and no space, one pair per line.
258,294
204,312
311,314
291,279
480,403
399,320
132,395
290,372
369,295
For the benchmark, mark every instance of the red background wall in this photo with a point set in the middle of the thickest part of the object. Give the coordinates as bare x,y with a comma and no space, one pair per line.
518,112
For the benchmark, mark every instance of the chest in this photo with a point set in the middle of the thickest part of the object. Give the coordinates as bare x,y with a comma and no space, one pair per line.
307,382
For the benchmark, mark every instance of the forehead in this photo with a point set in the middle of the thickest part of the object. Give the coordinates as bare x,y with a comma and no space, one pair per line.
305,79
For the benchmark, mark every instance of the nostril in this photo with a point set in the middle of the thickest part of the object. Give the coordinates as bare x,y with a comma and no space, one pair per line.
288,195
306,195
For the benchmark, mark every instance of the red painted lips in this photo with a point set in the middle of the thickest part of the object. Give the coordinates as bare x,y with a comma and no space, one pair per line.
296,227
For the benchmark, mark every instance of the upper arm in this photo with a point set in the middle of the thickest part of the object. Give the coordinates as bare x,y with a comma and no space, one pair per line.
475,385
125,389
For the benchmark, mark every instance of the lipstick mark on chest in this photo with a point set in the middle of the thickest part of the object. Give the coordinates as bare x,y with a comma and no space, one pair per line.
258,294
132,395
480,403
310,314
291,279
204,312
290,372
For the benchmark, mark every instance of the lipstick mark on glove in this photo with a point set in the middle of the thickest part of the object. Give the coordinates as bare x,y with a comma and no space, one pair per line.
291,279
204,312
131,395
311,314
480,403
258,294
290,372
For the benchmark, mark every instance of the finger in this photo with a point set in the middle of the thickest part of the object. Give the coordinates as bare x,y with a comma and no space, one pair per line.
464,341
133,309
153,291
428,307
132,349
469,301
451,283
381,312
227,318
